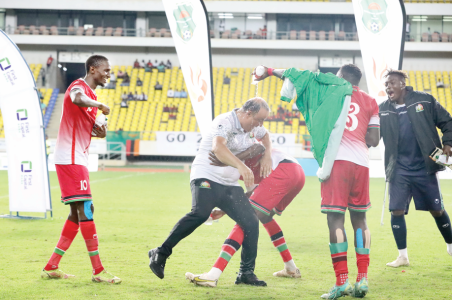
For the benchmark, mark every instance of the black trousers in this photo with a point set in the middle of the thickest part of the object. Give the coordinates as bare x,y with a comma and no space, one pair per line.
206,195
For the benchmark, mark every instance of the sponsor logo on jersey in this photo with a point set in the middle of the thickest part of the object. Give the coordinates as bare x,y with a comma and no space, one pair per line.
374,15
419,108
204,185
251,135
184,21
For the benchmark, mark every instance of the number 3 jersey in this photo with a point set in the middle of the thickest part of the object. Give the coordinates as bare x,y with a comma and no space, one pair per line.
363,114
76,125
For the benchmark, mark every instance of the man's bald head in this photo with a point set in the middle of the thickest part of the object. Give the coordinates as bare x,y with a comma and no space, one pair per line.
254,105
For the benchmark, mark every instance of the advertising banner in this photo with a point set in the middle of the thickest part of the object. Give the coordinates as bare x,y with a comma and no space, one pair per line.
381,30
24,132
182,143
189,26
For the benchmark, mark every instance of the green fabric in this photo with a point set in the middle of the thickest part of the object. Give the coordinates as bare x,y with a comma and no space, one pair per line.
59,251
225,255
282,248
93,253
362,250
320,98
336,248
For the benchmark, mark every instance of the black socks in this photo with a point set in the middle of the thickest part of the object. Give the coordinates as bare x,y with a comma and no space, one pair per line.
444,227
399,230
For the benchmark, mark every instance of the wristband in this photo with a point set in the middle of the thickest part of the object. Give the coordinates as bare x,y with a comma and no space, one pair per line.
270,71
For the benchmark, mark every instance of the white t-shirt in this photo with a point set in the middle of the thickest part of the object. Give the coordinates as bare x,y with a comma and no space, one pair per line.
226,125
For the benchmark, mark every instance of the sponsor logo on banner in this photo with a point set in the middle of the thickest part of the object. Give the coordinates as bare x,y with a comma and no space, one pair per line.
374,15
198,86
23,125
185,25
26,180
8,72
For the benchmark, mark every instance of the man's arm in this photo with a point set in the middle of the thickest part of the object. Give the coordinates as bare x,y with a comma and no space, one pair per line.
443,121
266,160
373,137
251,152
269,72
81,100
225,155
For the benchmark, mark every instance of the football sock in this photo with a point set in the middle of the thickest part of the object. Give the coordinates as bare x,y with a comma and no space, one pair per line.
68,234
277,237
230,246
399,230
88,229
443,223
449,249
403,252
362,253
339,258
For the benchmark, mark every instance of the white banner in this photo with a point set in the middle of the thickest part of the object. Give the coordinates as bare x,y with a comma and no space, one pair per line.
182,143
28,178
188,22
381,31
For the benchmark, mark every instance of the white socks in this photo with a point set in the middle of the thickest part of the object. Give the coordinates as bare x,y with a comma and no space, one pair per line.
449,249
404,253
213,274
290,265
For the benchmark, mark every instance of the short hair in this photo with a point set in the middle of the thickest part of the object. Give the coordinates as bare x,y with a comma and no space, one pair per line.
402,74
94,61
351,73
254,105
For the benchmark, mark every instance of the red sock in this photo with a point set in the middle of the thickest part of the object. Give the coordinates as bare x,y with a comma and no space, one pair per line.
68,234
88,229
277,237
362,261
339,258
230,246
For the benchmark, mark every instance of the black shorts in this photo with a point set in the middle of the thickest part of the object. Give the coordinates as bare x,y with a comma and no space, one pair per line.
425,191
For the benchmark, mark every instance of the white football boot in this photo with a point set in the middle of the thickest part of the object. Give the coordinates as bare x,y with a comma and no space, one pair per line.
286,273
197,280
400,261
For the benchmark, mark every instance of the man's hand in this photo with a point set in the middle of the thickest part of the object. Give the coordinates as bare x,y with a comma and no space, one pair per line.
215,161
247,174
266,165
217,213
100,132
104,108
265,75
447,150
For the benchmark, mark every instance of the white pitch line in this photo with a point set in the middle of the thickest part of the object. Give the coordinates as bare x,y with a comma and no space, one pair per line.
96,181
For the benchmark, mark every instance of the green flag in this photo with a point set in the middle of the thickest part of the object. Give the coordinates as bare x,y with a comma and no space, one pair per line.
320,98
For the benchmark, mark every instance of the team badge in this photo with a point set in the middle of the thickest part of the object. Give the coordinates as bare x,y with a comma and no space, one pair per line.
251,135
419,108
184,20
204,185
374,15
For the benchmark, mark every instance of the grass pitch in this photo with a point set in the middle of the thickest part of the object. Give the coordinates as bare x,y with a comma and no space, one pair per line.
134,212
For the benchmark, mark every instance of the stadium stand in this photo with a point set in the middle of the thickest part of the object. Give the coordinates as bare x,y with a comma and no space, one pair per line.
161,113
50,98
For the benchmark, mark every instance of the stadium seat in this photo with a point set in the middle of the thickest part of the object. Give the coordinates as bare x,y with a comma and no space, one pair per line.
312,35
444,37
302,35
331,36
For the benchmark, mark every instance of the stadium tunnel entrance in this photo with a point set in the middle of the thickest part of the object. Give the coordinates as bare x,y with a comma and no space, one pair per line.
71,72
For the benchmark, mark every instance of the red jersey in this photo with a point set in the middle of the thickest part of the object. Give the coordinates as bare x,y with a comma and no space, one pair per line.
76,125
363,113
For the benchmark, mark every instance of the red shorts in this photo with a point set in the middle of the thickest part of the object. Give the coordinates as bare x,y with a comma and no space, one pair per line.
74,183
279,189
348,186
